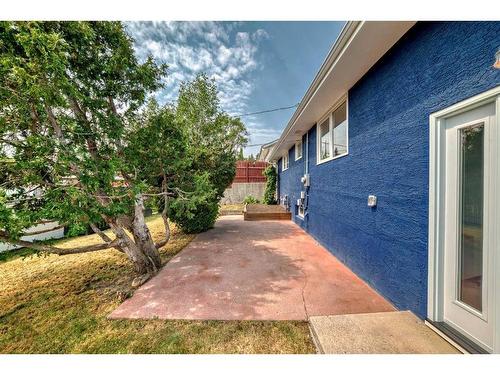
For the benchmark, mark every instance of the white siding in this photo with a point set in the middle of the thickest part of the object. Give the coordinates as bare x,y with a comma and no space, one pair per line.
57,233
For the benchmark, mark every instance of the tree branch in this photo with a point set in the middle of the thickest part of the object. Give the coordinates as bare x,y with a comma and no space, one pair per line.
44,230
157,194
100,233
90,137
164,215
103,235
35,119
55,125
103,196
112,105
15,143
56,250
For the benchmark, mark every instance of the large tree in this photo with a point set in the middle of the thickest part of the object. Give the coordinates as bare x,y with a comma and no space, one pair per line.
75,142
215,139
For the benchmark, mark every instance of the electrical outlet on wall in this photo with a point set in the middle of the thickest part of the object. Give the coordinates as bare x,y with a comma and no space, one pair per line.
372,200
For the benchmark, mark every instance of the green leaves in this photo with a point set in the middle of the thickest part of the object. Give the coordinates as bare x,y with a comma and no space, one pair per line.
214,141
81,141
197,211
69,93
215,136
270,191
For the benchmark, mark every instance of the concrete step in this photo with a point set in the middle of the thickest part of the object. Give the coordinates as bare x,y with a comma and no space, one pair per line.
376,333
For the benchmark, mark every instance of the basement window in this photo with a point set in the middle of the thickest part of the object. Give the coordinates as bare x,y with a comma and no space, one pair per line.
332,136
298,150
284,162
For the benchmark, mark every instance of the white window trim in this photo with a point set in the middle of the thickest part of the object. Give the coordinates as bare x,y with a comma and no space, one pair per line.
301,149
330,122
283,162
436,209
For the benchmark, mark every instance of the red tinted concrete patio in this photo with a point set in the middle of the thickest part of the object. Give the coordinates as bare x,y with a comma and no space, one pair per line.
252,270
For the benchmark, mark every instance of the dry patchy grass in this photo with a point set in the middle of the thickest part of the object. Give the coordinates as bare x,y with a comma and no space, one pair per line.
59,304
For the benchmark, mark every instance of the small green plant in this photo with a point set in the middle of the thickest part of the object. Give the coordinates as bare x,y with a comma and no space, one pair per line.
269,193
250,200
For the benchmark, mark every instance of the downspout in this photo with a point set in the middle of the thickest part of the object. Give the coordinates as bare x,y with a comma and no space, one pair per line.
306,188
307,152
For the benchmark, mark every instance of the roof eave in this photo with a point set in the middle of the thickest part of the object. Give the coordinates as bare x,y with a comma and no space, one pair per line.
388,33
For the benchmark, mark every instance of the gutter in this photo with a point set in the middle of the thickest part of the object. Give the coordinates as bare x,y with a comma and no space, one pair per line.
349,29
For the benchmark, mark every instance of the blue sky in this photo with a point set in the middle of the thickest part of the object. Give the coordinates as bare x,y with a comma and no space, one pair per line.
257,65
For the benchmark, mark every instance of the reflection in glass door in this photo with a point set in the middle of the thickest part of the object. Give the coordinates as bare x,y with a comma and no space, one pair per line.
471,185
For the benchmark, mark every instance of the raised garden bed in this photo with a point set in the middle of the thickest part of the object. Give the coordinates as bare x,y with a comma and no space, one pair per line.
265,212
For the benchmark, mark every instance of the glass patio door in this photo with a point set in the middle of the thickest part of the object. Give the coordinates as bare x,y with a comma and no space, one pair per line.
469,305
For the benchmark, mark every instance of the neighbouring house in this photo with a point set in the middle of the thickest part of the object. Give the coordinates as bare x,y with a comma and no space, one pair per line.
248,181
42,231
45,230
392,162
265,149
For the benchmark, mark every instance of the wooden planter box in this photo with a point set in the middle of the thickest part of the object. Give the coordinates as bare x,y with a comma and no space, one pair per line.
265,212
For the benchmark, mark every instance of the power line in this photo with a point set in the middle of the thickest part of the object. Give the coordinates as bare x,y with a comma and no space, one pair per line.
267,111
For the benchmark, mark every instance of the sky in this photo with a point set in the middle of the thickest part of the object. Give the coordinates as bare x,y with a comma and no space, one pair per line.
257,65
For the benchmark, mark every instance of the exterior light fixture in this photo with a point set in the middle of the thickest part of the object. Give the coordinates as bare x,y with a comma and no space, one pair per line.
496,65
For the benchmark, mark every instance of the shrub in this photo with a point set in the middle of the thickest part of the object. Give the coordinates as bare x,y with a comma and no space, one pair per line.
250,200
269,193
214,138
197,211
198,219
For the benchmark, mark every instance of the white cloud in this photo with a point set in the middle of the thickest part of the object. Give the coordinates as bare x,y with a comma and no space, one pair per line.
260,34
224,54
218,49
214,48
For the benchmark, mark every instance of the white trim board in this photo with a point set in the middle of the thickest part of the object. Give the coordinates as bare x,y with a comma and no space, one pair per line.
297,143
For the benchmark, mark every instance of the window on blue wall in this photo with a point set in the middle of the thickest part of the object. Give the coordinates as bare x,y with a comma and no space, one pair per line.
284,162
325,140
333,134
340,131
298,150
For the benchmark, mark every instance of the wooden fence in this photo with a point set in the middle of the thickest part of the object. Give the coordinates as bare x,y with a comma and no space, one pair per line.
250,171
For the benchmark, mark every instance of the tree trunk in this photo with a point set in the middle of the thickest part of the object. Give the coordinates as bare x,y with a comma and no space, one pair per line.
142,263
142,235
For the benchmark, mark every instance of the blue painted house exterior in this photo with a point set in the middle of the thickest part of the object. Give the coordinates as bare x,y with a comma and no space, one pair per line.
433,65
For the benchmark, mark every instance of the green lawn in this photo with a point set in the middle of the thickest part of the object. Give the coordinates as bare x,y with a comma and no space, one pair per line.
59,304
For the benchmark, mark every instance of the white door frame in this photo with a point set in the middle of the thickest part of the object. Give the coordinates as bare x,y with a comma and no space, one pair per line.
436,206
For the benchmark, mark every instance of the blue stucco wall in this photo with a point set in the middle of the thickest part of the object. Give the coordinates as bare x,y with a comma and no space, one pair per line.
435,65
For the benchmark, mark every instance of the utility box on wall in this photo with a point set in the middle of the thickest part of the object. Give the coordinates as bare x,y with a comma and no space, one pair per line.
306,180
372,200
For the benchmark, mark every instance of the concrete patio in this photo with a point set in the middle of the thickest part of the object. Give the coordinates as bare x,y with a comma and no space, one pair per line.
252,270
